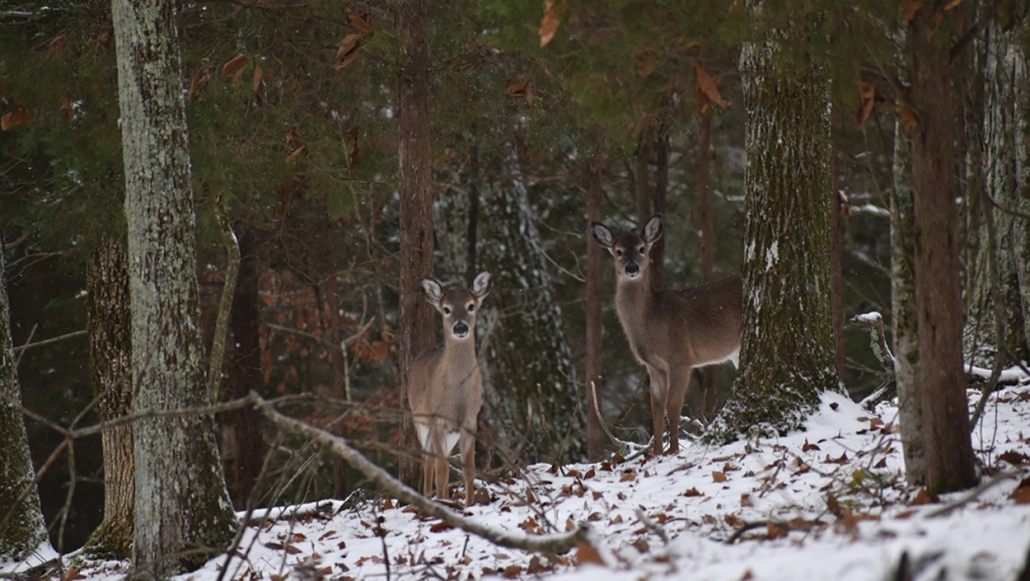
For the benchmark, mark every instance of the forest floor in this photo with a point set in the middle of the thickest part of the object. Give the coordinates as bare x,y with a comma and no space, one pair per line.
829,503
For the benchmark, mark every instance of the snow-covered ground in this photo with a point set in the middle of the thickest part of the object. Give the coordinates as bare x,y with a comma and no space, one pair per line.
828,504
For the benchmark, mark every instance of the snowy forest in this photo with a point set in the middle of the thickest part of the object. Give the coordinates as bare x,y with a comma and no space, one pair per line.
242,246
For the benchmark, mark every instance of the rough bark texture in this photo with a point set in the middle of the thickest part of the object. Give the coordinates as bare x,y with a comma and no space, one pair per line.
531,373
25,530
660,198
110,359
903,307
595,280
1001,127
416,215
244,321
787,355
836,278
182,510
949,455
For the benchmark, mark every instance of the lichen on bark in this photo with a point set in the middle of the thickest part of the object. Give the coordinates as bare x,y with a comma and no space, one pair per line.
25,530
787,352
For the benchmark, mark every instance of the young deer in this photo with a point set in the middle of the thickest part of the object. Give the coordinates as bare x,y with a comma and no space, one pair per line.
445,388
670,331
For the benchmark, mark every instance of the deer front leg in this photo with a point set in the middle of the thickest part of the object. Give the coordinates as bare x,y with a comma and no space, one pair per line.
426,439
679,381
467,446
659,390
441,451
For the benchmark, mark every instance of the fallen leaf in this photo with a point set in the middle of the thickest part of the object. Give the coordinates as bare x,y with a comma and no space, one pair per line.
809,447
775,531
693,491
585,553
440,527
512,571
718,476
924,497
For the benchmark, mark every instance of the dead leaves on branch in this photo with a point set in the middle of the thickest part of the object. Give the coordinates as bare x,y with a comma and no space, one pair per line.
552,18
869,96
14,117
350,46
707,91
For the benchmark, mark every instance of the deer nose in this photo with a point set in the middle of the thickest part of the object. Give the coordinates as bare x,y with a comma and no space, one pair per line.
632,269
460,330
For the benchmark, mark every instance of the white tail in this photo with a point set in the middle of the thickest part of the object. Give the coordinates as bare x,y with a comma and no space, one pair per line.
670,331
445,388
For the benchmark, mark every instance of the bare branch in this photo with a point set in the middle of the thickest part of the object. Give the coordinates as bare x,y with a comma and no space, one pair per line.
558,543
52,340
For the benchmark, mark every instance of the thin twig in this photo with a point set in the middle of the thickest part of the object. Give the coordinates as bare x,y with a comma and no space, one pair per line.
50,341
975,493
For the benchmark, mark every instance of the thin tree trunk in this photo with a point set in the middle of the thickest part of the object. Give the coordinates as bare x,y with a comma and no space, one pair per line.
332,327
942,389
903,307
245,319
786,255
182,513
836,279
705,216
595,282
416,215
660,199
110,359
21,521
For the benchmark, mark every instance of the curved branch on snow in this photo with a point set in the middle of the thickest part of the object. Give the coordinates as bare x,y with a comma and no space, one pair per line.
556,543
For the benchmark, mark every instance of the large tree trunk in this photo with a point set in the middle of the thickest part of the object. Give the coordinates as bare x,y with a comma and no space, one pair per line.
181,501
903,308
21,525
533,387
787,251
416,215
110,361
942,389
595,279
1002,122
244,320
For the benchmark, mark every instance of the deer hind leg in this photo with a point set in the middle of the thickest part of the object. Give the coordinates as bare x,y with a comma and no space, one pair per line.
659,389
467,447
679,381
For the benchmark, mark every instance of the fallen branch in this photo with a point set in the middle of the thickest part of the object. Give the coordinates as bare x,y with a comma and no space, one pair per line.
555,543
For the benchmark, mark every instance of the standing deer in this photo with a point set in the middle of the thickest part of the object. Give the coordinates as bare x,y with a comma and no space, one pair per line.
670,331
445,388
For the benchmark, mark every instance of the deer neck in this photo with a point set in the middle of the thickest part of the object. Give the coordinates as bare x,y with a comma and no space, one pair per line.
634,300
460,357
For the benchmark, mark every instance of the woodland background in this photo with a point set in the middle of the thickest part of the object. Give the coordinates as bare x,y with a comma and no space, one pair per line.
537,112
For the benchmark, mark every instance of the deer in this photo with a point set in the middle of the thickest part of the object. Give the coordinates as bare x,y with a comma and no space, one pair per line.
445,387
670,332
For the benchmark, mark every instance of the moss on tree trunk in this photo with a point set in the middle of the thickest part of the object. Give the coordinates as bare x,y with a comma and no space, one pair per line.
787,353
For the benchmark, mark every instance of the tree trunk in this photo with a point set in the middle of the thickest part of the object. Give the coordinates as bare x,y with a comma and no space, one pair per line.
660,198
836,279
245,319
1003,128
22,529
787,251
416,216
705,216
595,280
942,389
532,375
903,308
110,349
182,513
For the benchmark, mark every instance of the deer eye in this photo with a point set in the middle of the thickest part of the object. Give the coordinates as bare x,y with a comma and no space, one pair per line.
618,252
641,249
472,307
446,310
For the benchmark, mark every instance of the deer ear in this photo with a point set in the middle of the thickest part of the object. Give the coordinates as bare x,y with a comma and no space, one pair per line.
481,286
602,235
653,229
433,290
